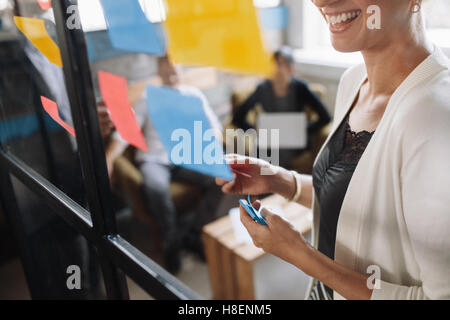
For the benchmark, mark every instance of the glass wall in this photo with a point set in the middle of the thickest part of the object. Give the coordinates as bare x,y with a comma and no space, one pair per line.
33,95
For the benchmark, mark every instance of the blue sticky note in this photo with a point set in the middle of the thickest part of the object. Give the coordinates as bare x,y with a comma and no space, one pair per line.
100,47
274,18
129,28
185,131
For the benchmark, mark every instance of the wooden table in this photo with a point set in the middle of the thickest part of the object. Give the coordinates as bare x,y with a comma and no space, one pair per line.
230,262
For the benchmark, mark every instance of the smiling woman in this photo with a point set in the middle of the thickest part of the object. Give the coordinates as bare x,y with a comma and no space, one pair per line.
377,202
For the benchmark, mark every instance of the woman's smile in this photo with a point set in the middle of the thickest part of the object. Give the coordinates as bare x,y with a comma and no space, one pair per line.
341,21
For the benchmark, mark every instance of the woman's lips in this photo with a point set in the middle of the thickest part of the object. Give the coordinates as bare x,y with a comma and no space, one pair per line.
340,22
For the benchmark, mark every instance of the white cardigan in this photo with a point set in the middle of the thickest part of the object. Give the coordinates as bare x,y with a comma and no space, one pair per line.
396,212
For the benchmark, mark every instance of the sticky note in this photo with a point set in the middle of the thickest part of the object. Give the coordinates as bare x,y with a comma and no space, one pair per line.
52,109
185,132
34,30
222,34
45,4
114,91
274,18
129,28
100,47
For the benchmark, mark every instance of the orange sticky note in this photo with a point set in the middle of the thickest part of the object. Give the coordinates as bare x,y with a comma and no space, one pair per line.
34,30
45,4
218,33
52,109
114,91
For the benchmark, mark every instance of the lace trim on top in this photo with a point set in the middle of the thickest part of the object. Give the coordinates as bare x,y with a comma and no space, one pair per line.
354,145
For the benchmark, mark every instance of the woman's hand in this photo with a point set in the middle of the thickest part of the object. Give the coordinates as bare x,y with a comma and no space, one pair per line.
257,179
255,176
279,237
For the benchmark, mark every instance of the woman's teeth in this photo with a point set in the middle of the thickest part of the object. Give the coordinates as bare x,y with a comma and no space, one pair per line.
343,17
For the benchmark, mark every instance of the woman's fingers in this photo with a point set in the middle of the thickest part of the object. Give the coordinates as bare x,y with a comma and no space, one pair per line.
220,182
273,220
236,161
233,157
228,187
258,233
267,215
246,220
255,203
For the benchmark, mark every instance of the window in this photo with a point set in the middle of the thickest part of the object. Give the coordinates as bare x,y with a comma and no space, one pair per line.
3,4
438,24
92,18
43,211
266,3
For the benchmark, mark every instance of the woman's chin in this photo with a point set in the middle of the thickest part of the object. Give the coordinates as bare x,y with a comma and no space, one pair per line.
345,46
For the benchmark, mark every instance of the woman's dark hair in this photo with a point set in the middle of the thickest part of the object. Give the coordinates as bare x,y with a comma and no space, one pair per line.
286,53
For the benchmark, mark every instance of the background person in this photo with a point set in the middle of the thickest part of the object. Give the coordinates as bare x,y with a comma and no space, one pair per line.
157,172
283,93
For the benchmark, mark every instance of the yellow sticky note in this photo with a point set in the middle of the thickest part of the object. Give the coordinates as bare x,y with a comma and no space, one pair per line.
34,30
219,33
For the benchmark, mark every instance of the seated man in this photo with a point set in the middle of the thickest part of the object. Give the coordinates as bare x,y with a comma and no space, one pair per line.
157,171
283,93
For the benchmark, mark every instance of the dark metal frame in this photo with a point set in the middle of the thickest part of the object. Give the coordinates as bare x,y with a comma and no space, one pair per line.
98,225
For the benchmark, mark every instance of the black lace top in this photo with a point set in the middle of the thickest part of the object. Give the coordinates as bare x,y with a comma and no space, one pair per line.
331,177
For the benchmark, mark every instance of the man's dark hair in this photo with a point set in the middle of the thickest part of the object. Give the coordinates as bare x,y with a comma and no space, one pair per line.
286,53
26,8
164,58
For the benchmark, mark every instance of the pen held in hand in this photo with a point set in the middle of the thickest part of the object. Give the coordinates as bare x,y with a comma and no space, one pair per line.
242,173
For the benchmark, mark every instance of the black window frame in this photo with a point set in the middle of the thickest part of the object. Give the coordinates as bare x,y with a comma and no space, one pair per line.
117,257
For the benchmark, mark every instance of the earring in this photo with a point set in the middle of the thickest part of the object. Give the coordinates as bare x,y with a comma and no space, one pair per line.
417,6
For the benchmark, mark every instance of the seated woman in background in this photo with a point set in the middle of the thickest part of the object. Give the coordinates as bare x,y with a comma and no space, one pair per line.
283,93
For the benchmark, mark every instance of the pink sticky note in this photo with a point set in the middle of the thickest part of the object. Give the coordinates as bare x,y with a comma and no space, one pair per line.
52,109
114,91
45,4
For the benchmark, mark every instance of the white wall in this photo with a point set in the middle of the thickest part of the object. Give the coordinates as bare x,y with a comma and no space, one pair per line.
326,75
293,33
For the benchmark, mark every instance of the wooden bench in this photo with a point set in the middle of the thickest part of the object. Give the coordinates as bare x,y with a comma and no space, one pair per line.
230,262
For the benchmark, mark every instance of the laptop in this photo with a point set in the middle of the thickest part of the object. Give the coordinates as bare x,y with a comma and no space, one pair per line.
292,126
